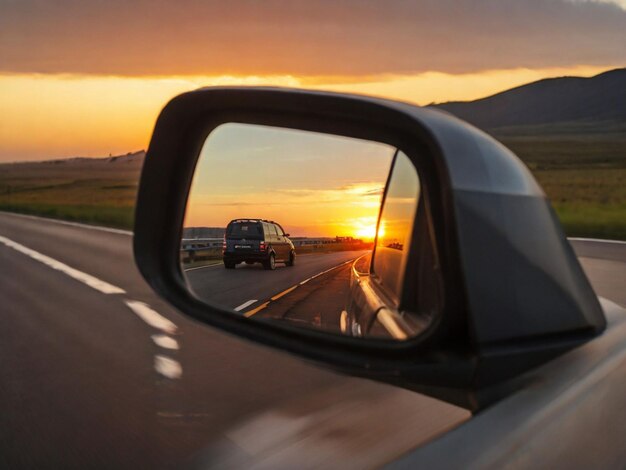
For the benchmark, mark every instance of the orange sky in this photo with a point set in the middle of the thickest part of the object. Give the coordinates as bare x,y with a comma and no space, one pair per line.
312,184
87,77
53,116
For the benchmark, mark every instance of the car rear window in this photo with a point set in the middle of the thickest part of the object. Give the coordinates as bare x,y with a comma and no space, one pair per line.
249,230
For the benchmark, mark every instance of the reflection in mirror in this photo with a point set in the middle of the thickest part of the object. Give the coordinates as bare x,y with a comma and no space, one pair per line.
395,226
281,224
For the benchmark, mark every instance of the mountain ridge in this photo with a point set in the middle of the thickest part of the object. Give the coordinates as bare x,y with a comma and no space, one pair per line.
582,105
559,100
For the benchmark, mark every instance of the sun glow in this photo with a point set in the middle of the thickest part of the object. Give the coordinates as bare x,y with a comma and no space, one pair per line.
368,232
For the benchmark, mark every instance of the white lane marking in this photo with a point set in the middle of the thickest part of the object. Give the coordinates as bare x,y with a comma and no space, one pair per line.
80,276
244,305
151,317
165,341
163,365
249,313
73,224
324,272
202,267
168,367
577,239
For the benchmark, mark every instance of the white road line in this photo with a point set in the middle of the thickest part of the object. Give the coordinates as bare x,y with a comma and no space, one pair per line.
165,341
202,267
73,224
168,367
577,239
328,270
244,305
163,365
151,317
250,313
80,276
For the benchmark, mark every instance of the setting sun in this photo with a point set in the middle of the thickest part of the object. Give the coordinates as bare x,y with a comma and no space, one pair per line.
368,232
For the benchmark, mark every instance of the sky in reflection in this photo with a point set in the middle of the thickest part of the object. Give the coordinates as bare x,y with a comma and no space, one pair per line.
312,184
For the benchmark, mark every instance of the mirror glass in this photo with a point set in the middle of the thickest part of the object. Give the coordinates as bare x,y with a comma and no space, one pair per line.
289,226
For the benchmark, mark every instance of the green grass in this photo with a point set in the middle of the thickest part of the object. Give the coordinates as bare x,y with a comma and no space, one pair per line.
582,170
559,153
593,220
109,216
590,200
97,192
584,176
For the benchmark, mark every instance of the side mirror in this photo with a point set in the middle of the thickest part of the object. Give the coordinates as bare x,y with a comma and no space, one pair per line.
460,281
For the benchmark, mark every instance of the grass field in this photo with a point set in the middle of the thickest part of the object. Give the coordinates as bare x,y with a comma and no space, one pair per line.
100,192
583,173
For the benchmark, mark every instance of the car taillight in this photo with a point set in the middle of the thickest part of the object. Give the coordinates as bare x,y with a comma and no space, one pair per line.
224,244
262,246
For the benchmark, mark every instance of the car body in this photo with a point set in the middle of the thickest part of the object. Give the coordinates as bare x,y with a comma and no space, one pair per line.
511,331
257,241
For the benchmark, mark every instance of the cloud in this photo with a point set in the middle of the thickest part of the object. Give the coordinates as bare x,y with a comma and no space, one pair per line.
332,38
363,194
621,3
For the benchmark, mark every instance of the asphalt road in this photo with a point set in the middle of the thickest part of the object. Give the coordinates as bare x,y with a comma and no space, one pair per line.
97,372
252,285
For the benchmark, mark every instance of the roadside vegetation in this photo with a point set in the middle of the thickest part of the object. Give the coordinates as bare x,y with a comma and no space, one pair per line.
100,191
583,172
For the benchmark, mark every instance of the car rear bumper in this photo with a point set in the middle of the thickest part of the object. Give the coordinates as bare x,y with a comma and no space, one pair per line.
251,256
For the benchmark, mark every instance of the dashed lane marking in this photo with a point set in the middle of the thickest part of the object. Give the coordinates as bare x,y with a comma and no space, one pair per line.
245,304
250,313
150,316
163,365
164,341
168,367
80,276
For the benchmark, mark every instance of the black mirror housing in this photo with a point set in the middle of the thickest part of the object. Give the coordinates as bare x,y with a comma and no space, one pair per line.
515,294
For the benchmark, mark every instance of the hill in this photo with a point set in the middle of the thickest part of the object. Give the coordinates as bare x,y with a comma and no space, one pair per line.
571,132
564,102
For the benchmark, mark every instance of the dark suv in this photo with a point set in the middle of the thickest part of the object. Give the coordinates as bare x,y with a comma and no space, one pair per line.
257,241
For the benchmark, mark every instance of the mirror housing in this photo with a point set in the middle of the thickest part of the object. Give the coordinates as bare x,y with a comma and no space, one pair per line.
515,295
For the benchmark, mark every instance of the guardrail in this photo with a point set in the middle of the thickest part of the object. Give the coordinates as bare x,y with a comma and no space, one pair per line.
193,249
